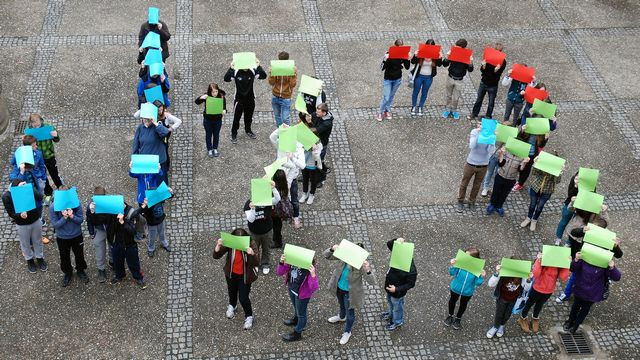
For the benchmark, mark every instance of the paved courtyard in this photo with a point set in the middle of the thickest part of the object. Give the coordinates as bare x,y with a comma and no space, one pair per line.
73,61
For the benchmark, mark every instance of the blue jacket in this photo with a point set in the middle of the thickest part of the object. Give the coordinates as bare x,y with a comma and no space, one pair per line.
166,86
147,181
514,91
67,228
148,140
30,178
39,170
464,283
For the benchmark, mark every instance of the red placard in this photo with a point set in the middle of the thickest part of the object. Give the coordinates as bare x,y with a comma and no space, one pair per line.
493,56
531,93
399,52
522,73
459,54
426,51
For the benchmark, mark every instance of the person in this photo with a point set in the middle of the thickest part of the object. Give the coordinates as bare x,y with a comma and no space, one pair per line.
121,236
154,216
48,154
281,91
37,173
457,71
301,285
311,173
322,121
462,287
260,224
146,182
589,288
244,102
282,208
397,283
527,112
148,139
168,120
509,167
476,167
161,29
507,291
97,225
68,228
392,69
422,73
346,284
541,187
29,228
312,101
488,85
544,283
212,123
240,271
537,142
567,214
515,98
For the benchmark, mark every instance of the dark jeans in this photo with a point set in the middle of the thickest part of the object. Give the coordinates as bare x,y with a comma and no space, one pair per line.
65,246
212,133
482,90
564,221
300,309
453,299
294,198
277,230
516,107
536,204
236,288
524,173
130,254
242,107
323,172
579,311
52,170
310,176
165,170
345,309
536,300
501,189
503,312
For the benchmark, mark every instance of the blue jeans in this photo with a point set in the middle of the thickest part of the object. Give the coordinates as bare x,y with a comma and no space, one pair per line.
396,309
482,90
566,217
421,82
536,203
294,197
491,169
345,310
212,133
281,110
568,290
300,308
389,89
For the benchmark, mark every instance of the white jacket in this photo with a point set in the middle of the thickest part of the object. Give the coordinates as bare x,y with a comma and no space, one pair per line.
171,121
294,164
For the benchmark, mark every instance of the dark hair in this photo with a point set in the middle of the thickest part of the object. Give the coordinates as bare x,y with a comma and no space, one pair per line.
498,46
361,245
28,140
158,103
99,190
64,187
15,182
34,117
324,107
430,42
239,232
474,252
398,42
280,178
214,86
599,221
283,55
462,43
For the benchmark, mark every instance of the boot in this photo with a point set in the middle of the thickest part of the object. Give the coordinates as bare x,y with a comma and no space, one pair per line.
535,325
524,324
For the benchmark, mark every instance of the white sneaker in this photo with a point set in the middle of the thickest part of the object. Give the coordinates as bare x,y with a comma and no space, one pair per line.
310,199
265,269
336,318
345,338
492,332
297,224
485,192
248,323
557,241
500,331
561,298
532,226
303,198
231,312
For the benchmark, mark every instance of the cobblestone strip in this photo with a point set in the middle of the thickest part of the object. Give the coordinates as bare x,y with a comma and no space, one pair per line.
611,339
435,15
552,13
53,17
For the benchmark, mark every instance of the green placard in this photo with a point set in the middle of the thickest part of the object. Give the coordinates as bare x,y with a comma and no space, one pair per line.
600,237
351,253
271,169
469,263
261,192
556,256
305,136
300,104
589,201
518,148
588,179
505,132
235,242
298,256
550,164
213,106
283,68
544,108
515,268
309,85
287,138
537,126
595,255
244,60
401,256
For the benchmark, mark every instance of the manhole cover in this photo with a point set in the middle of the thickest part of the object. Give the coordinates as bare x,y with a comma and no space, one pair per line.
575,344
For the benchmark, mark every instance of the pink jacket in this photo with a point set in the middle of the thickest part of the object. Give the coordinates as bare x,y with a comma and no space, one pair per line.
309,284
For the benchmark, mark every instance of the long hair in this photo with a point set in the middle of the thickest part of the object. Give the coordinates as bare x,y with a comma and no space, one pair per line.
280,178
214,86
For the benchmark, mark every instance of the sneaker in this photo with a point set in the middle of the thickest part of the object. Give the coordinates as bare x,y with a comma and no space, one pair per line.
293,336
500,331
419,111
310,199
42,265
31,265
524,324
472,118
248,323
303,198
567,325
387,115
47,200
345,338
320,185
166,248
151,253
231,312
456,115
66,280
500,212
525,222
251,135
448,321
484,192
557,241
216,153
574,329
379,117
472,207
413,111
141,284
385,316
210,153
265,269
490,209
517,187
336,319
446,113
392,326
492,332
532,226
563,297
297,224
460,207
456,324
115,280
234,139
45,240
83,276
102,276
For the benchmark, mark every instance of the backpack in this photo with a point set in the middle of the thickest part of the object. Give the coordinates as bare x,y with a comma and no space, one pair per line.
283,209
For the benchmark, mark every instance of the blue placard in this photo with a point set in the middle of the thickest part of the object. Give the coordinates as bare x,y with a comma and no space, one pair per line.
487,133
156,68
22,197
149,111
154,15
145,164
65,199
109,204
153,94
158,195
40,133
152,40
153,56
24,154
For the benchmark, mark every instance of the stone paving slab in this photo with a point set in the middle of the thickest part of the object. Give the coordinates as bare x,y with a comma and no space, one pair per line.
15,70
15,13
598,14
471,15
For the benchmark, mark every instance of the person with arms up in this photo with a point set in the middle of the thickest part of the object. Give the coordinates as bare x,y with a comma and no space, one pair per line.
244,102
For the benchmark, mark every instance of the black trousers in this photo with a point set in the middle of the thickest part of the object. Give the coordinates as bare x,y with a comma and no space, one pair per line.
238,289
524,173
503,312
242,107
536,300
579,311
52,170
453,299
501,189
277,230
310,176
65,247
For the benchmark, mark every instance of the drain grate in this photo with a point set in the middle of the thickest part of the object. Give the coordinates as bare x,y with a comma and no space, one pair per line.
575,344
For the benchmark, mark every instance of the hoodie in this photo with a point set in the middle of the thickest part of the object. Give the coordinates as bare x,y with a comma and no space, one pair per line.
66,228
464,283
244,81
148,140
32,215
143,82
324,126
164,37
402,280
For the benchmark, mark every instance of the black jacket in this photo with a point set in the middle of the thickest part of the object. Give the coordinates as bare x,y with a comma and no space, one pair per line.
434,65
99,221
244,81
402,280
393,68
491,77
323,126
32,215
457,70
123,234
312,102
164,37
221,94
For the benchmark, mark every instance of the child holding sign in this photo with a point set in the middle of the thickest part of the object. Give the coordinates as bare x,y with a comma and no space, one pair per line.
244,102
281,91
507,291
462,287
212,121
301,285
260,224
515,98
541,187
48,154
397,283
509,166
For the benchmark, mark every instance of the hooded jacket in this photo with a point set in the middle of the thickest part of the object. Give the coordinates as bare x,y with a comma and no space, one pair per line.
323,125
32,215
244,81
123,234
402,280
589,283
464,283
546,277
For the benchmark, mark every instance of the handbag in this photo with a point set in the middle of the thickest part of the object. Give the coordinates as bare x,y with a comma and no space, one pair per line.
283,209
521,301
412,77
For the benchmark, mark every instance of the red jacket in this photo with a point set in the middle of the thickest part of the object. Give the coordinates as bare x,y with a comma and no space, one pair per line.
546,277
